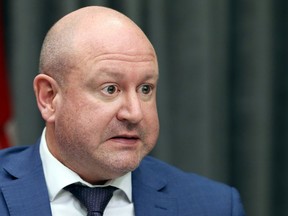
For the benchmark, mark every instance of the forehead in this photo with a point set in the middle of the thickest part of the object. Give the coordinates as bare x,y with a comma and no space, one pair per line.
116,59
121,66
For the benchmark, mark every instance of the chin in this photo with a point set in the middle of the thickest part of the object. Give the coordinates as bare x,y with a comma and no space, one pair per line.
123,166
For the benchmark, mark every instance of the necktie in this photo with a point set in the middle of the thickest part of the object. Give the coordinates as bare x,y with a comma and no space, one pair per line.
94,199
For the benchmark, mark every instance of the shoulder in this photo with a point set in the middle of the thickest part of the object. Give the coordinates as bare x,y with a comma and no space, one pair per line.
19,159
8,154
174,174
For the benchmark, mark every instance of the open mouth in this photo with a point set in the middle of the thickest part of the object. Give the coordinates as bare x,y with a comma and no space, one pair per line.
125,139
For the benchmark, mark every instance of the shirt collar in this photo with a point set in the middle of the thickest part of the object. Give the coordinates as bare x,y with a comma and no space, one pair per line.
58,176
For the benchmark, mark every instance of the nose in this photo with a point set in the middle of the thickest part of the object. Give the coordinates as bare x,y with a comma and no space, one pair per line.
131,109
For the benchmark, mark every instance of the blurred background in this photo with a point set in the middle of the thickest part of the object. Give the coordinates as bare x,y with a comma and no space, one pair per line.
223,92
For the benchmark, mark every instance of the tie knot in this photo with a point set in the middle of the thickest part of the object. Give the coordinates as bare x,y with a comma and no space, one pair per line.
94,199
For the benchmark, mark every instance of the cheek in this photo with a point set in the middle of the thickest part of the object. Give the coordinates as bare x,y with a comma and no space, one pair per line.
151,114
88,116
152,123
81,125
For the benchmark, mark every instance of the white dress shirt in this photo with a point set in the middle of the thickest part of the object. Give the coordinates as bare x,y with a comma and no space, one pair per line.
64,203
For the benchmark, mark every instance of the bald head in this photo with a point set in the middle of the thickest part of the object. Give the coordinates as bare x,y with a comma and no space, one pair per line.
93,31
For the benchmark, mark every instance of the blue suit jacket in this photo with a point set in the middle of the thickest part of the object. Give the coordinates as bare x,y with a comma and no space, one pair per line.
158,189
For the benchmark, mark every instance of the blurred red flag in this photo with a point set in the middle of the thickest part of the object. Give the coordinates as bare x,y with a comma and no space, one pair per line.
5,108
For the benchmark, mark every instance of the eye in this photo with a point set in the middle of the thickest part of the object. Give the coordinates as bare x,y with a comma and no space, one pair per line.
146,89
110,89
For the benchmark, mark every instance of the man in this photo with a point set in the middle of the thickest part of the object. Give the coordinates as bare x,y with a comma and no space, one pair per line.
96,92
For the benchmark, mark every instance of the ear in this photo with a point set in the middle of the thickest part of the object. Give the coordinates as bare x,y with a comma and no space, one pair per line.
46,90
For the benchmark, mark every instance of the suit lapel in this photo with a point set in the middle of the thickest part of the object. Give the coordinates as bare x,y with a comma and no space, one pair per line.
148,195
152,193
26,193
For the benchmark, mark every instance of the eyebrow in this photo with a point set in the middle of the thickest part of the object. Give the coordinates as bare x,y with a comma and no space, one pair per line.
121,75
111,74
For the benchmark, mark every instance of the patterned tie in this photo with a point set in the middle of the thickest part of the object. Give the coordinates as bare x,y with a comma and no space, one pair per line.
94,199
